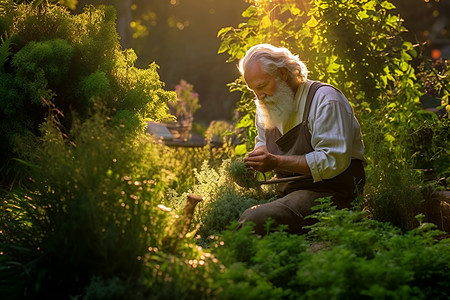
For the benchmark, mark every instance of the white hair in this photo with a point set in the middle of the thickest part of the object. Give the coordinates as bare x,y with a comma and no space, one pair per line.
272,58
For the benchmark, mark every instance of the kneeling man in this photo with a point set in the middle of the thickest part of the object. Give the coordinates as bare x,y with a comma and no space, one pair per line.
304,128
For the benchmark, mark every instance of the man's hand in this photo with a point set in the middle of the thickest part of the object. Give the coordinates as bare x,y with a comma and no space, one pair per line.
260,159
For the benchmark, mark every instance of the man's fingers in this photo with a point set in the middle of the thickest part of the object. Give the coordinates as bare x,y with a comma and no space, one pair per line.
257,152
255,158
254,164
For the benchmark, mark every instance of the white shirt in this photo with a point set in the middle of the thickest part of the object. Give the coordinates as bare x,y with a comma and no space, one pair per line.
335,132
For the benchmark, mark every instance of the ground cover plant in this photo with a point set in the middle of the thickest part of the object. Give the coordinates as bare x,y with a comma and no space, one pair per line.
345,255
100,210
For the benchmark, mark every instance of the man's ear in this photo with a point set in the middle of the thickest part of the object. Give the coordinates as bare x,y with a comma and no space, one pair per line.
283,73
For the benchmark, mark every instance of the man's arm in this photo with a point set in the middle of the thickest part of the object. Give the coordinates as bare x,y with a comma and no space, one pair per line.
260,159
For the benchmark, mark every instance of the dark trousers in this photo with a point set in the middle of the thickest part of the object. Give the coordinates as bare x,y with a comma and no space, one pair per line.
292,208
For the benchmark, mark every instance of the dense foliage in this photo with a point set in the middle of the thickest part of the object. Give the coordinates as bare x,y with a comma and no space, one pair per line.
50,58
344,256
103,211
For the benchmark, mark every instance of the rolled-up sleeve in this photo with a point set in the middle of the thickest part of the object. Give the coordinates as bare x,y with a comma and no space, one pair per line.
332,139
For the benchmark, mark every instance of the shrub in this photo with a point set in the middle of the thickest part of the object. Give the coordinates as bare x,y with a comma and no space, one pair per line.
223,200
89,208
74,62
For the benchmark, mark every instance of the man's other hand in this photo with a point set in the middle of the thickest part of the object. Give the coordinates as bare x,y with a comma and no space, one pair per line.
260,159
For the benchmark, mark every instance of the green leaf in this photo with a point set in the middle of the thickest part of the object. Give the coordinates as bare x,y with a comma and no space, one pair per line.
240,150
333,67
249,12
370,5
387,5
404,66
245,122
312,22
4,51
413,53
406,56
295,11
389,138
384,79
363,15
391,105
224,46
392,21
265,21
224,31
407,45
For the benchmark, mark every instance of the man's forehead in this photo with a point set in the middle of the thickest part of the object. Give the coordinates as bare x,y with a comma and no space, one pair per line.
254,74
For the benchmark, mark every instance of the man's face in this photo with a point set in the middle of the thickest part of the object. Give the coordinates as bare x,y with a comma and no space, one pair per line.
275,99
260,82
275,110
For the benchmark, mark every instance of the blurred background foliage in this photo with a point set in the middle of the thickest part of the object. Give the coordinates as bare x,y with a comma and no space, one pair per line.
180,36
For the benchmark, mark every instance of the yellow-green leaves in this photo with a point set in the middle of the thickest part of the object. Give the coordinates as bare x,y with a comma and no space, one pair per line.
249,12
312,22
363,14
240,150
387,5
5,46
333,66
371,5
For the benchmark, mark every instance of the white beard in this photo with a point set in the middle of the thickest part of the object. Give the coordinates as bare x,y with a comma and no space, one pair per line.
275,110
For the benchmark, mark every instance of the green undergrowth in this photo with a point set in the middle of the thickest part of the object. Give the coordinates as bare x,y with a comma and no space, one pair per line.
223,200
90,225
344,256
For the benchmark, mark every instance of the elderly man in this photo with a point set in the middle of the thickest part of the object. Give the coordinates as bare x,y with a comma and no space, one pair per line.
304,128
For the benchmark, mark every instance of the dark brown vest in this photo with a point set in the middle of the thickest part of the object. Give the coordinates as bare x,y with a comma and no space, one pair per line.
297,141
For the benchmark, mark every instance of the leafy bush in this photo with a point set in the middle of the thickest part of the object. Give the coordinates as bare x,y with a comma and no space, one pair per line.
89,208
74,62
39,63
223,200
355,46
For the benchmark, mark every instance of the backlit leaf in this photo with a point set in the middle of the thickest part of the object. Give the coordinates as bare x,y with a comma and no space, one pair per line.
240,150
312,22
387,5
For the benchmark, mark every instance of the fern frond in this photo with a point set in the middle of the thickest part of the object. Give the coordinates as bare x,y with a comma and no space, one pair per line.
5,52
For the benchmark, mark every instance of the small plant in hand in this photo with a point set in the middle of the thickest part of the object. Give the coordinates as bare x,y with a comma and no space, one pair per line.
243,175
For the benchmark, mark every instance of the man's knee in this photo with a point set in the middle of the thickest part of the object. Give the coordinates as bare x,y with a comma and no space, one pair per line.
269,216
257,216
